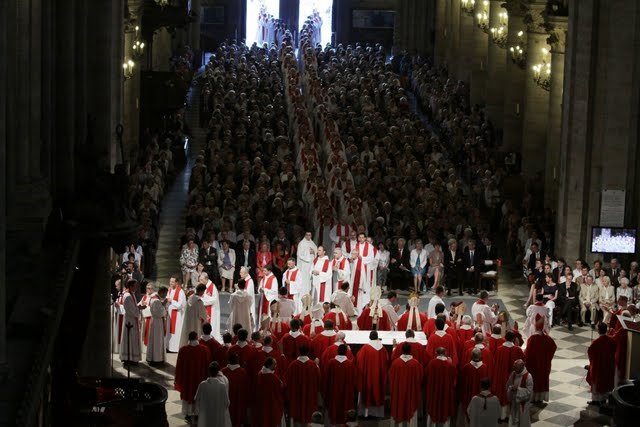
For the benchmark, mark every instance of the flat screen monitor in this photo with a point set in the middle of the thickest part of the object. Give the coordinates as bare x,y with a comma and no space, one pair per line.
613,240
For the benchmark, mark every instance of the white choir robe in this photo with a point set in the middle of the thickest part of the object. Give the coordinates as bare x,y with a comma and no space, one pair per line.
194,317
212,402
211,301
478,415
520,399
291,279
373,267
177,303
156,348
348,246
343,300
337,232
360,274
342,273
530,323
251,290
322,280
287,308
146,314
305,261
325,238
489,318
117,310
130,345
269,287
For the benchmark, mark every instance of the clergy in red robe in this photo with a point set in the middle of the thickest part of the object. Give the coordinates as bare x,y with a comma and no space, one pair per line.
332,351
338,318
620,337
323,340
268,349
417,349
464,332
211,343
339,380
268,410
316,325
192,367
479,343
302,386
372,361
602,365
242,348
377,320
238,390
442,339
430,327
412,318
291,342
469,379
505,357
496,339
405,384
441,384
539,354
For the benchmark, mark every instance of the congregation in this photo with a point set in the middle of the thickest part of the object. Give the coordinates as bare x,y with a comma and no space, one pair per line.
321,195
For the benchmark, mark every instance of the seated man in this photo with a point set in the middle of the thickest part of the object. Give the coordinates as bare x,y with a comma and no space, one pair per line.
569,300
588,299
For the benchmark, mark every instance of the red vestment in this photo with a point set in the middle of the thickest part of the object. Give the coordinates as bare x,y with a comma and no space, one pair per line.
306,319
244,353
330,353
365,321
403,321
494,344
429,328
372,374
417,351
340,320
463,336
441,382
302,388
269,402
191,369
602,364
278,329
502,368
214,348
405,383
291,344
238,392
338,388
317,325
487,357
447,341
469,382
321,342
538,354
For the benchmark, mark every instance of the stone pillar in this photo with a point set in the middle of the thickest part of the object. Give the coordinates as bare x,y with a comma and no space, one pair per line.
440,47
536,99
557,27
454,35
479,65
514,81
465,53
131,101
3,194
496,66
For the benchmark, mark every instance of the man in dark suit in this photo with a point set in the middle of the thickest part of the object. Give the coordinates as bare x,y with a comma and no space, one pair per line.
614,273
453,266
245,257
490,251
558,272
472,265
208,257
534,255
568,299
400,266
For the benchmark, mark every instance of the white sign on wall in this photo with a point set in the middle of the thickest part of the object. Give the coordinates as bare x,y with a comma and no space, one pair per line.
612,208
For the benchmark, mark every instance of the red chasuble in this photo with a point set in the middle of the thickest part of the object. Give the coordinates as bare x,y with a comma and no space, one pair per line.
330,353
539,353
269,406
321,342
317,325
238,392
487,358
209,308
191,369
602,364
405,382
244,353
620,337
174,313
339,388
447,341
302,388
463,336
417,351
290,345
502,368
340,320
441,383
469,382
213,346
417,323
365,321
495,343
372,374
220,355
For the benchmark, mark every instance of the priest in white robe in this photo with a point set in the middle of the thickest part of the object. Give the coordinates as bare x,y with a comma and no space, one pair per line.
519,392
195,315
250,289
321,273
177,303
343,299
269,291
291,279
211,300
212,399
130,345
241,302
156,347
341,269
362,258
306,253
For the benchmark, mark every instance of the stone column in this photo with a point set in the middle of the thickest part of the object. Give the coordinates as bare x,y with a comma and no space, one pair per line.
514,81
454,35
3,195
465,53
496,66
440,51
557,27
131,100
536,99
479,64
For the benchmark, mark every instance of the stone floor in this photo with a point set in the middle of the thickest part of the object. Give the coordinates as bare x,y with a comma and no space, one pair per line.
569,390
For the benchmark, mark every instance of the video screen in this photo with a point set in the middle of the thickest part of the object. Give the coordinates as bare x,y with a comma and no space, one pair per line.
610,240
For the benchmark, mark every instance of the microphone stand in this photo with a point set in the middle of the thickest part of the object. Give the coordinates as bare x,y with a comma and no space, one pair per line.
128,325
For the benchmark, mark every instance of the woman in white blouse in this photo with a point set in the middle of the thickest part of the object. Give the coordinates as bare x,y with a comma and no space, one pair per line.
383,266
418,262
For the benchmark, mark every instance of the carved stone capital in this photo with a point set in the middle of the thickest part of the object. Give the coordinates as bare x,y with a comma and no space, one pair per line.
534,18
557,27
515,8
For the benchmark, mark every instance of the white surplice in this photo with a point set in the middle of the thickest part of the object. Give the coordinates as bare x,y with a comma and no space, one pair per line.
194,317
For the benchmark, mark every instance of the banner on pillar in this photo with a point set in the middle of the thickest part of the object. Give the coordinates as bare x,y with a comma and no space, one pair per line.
612,208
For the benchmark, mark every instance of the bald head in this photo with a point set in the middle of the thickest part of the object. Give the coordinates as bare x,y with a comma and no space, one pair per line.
476,355
478,338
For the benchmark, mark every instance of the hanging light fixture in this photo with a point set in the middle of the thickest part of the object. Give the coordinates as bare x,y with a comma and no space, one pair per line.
542,71
517,52
137,49
127,69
